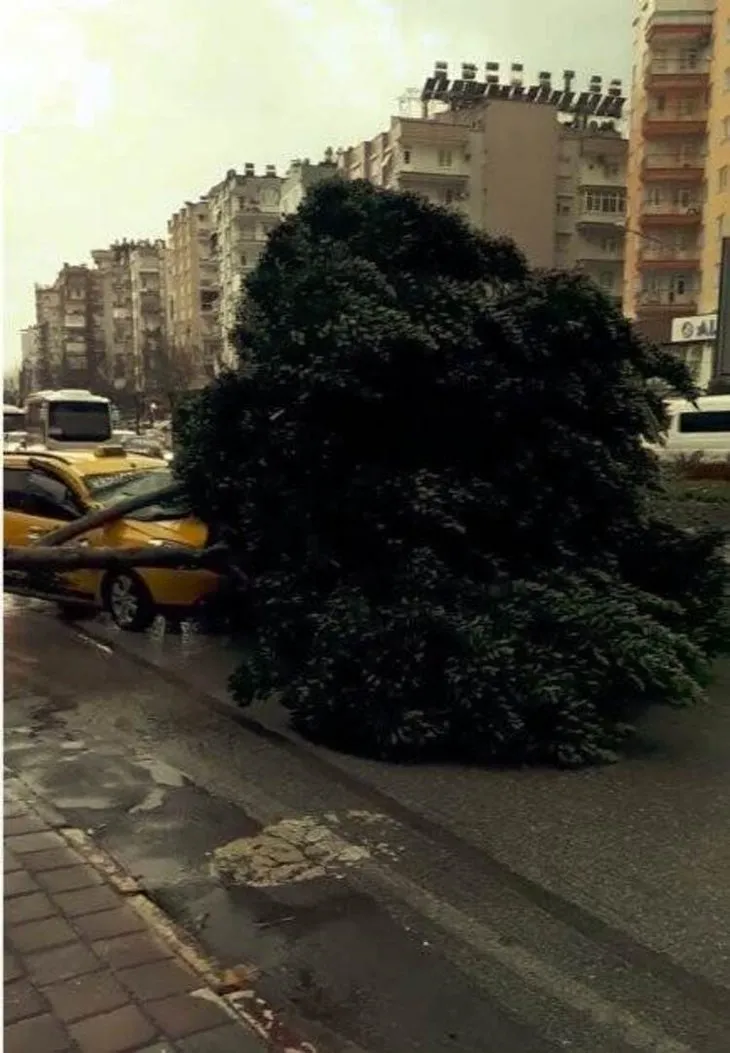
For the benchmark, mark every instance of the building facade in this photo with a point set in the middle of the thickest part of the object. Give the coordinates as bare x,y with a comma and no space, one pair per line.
534,164
151,364
191,295
31,375
49,326
301,176
112,268
244,209
669,194
70,339
716,211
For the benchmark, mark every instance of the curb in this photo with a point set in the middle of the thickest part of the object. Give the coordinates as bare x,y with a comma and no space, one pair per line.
230,988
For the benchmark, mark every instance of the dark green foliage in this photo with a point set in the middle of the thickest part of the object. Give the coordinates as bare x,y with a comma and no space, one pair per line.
430,463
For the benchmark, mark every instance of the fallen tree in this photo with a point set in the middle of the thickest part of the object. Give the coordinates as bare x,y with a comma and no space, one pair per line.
432,466
166,557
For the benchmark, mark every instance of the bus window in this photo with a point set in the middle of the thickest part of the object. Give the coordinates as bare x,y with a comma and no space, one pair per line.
79,421
705,421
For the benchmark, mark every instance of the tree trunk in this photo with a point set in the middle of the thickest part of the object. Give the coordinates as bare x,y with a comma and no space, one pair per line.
67,559
101,516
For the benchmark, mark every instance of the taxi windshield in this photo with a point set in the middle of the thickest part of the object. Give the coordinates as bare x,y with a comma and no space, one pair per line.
109,490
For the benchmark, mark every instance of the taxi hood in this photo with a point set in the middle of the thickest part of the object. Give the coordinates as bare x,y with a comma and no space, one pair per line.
190,532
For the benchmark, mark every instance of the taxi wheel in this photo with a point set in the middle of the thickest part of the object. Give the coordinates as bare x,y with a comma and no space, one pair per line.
128,601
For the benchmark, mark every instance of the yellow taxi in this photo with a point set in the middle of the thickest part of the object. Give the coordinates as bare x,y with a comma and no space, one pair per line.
45,490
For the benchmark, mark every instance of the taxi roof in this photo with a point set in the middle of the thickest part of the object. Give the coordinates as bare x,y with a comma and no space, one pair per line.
86,462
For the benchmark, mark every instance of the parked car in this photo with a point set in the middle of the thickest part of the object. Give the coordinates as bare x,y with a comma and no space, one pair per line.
42,491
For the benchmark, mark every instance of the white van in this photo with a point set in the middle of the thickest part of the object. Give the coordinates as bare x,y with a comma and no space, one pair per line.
703,429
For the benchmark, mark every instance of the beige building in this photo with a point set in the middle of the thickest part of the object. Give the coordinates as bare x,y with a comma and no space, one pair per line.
191,294
301,177
544,166
244,209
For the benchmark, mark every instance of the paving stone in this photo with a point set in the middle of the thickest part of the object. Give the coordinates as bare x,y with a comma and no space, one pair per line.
21,823
69,879
41,935
120,921
32,907
232,1038
87,900
127,951
39,1034
86,996
184,1015
61,964
19,883
28,844
51,859
116,1032
12,969
21,1001
10,862
12,809
159,980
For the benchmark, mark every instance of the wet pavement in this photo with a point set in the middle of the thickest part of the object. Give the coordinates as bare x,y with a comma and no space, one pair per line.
392,909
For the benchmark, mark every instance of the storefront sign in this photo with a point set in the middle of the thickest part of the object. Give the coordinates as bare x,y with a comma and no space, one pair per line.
700,327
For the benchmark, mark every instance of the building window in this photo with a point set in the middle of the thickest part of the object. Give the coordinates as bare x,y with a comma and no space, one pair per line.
606,280
608,201
722,178
727,78
720,221
727,31
563,206
687,58
726,128
653,196
445,158
687,106
406,157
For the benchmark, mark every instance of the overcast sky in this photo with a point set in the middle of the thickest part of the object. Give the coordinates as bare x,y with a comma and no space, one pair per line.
116,111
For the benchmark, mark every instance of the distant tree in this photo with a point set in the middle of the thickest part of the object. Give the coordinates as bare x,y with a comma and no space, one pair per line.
433,470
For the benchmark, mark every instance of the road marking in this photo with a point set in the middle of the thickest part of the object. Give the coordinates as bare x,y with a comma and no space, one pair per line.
618,1022
104,648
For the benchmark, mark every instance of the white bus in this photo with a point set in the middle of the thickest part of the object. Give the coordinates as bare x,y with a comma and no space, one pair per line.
67,420
13,419
702,429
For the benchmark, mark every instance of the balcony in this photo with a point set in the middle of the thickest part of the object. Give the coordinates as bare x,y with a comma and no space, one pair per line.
659,124
666,301
674,168
669,257
608,222
667,76
668,214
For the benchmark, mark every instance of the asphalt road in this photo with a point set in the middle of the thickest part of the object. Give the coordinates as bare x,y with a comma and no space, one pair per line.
389,910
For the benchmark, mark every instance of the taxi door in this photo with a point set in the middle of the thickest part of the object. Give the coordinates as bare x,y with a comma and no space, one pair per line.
37,501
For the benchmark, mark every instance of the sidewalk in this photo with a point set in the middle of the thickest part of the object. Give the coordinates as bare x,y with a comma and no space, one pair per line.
83,971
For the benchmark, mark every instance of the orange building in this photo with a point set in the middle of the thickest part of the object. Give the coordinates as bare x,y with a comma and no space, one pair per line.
672,185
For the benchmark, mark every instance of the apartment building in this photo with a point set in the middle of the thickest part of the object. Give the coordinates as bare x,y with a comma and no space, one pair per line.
31,375
112,265
244,209
49,328
149,339
191,295
70,338
543,165
716,212
301,176
674,226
